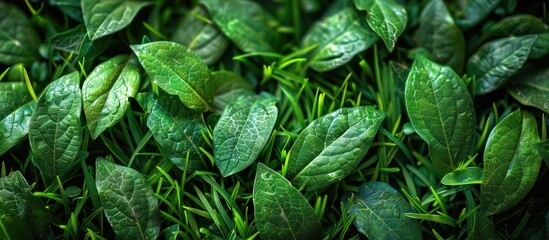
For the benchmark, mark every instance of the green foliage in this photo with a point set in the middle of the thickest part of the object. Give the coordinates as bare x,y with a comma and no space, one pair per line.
107,17
18,39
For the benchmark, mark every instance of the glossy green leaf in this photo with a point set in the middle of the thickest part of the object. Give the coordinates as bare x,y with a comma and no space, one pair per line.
12,96
495,62
470,12
19,210
531,86
15,127
228,87
440,36
55,133
280,211
386,17
379,213
201,36
511,162
338,37
442,113
179,132
463,176
18,39
107,17
76,41
72,8
106,92
128,201
178,71
242,132
244,22
331,146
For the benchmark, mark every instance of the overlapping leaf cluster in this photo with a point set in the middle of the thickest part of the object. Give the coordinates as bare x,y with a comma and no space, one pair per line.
241,119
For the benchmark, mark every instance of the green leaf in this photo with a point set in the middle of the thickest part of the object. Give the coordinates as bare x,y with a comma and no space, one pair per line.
331,146
442,113
18,40
244,22
483,228
106,91
463,176
127,200
19,210
511,162
470,12
55,133
107,17
228,87
495,62
379,213
386,17
15,127
76,41
338,37
12,96
178,71
178,131
71,8
242,132
201,36
439,34
280,211
531,86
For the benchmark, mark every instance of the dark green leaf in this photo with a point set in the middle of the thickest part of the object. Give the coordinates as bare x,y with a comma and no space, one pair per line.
178,71
18,39
379,213
442,113
12,96
470,12
386,17
331,146
201,36
242,132
55,133
483,228
338,37
280,211
463,176
107,17
178,131
439,34
228,87
245,23
19,210
495,62
76,41
72,8
106,90
531,86
15,127
127,200
511,162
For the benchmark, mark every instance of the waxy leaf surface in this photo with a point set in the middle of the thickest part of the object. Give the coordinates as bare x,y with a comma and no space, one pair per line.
442,113
463,176
178,71
470,12
107,17
280,211
18,40
331,146
55,133
242,131
511,162
386,17
128,201
15,126
531,86
106,92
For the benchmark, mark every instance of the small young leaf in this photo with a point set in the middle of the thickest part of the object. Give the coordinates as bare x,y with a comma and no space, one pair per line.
280,211
439,34
55,133
245,23
15,126
470,12
386,17
379,213
338,37
228,87
176,129
463,176
242,132
178,71
19,210
531,86
201,37
511,162
442,113
127,200
331,146
495,62
107,17
106,91
18,40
